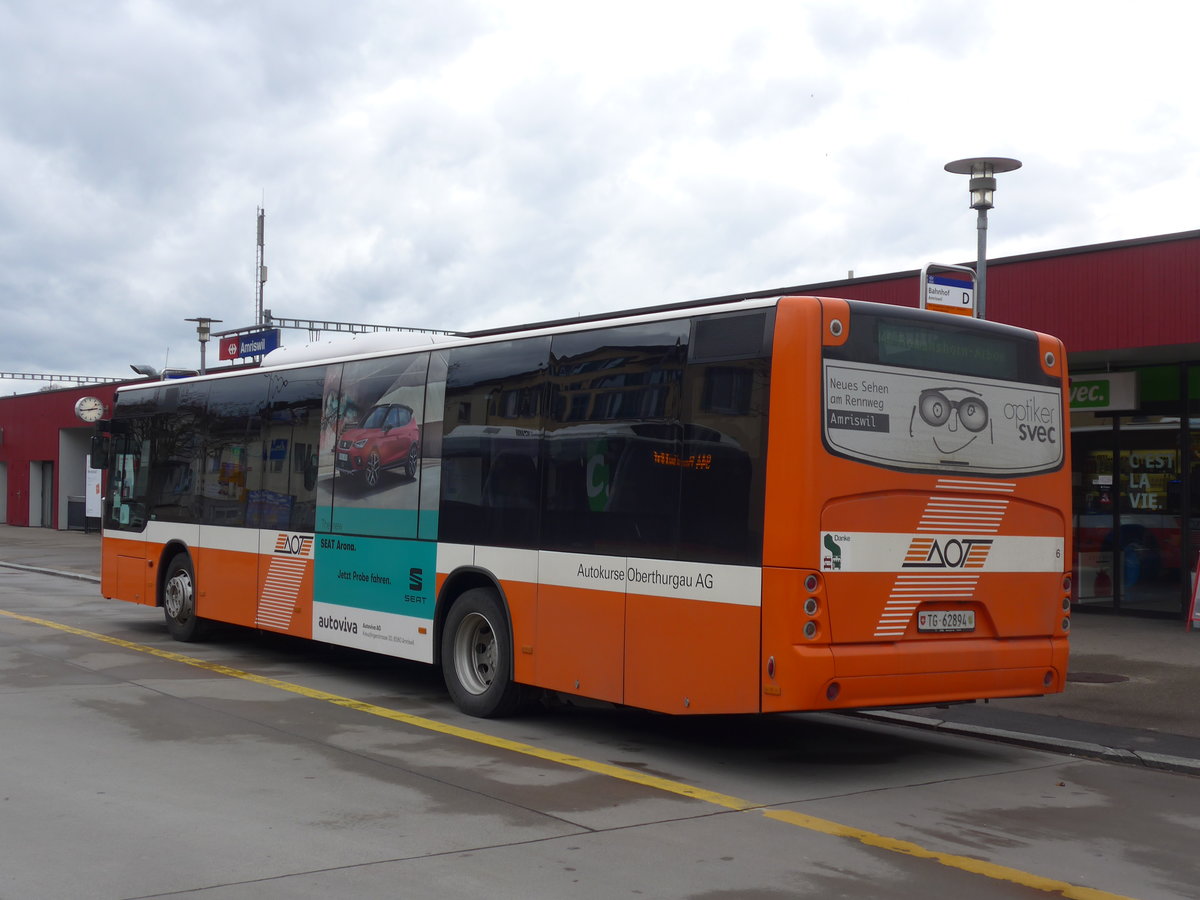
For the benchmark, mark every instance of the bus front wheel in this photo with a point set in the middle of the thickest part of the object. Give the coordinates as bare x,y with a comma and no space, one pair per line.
179,601
477,656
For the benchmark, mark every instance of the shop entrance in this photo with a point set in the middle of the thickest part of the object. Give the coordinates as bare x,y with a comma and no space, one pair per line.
1133,500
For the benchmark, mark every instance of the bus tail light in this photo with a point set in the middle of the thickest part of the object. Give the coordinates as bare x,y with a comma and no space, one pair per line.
807,609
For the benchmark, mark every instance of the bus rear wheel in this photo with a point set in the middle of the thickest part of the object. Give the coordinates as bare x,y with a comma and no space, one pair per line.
179,601
477,656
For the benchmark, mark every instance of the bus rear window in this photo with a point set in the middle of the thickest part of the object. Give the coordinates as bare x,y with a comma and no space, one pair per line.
946,350
913,339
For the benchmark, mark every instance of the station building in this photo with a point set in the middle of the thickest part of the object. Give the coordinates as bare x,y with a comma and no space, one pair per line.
43,457
1128,312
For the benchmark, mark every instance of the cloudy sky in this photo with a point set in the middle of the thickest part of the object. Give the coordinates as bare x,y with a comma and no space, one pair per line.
466,163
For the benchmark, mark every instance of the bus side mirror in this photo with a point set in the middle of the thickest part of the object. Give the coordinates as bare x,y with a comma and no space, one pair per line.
101,450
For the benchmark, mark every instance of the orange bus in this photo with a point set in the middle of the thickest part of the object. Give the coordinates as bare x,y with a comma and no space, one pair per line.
755,504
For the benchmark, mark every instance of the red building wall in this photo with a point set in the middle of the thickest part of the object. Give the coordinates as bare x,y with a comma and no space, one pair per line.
30,426
1126,296
1105,297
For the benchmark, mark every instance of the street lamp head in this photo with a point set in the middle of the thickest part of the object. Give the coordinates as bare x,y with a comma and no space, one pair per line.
982,189
982,170
203,327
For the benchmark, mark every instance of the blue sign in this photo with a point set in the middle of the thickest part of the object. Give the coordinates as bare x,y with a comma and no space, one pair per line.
239,346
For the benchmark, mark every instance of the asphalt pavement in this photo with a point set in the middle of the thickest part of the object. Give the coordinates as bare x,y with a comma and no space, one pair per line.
1133,685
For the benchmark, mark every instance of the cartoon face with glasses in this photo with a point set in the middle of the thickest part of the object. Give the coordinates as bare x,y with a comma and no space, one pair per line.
955,418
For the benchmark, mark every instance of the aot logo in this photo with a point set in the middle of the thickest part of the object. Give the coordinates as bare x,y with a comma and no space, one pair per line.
955,553
293,545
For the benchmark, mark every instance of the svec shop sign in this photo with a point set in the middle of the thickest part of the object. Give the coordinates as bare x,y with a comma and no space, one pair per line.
239,346
1100,393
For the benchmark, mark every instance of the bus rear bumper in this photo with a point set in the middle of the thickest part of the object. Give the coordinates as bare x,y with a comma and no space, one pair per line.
915,673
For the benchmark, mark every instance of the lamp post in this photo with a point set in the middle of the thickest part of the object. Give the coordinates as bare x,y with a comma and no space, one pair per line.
203,332
982,170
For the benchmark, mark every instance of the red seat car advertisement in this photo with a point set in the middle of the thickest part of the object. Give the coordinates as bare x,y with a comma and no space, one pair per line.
388,437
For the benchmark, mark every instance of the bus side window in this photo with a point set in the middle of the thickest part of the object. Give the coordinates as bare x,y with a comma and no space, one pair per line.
491,482
726,393
613,440
233,455
286,497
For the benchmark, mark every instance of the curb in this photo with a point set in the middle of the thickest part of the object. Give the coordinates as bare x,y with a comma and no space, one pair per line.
78,576
1178,764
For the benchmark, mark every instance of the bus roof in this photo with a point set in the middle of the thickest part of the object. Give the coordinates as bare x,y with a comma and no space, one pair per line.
367,346
377,344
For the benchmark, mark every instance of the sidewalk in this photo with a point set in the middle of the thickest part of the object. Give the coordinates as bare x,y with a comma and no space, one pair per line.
1133,688
70,553
1133,695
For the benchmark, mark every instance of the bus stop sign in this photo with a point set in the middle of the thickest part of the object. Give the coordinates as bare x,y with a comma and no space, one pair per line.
949,289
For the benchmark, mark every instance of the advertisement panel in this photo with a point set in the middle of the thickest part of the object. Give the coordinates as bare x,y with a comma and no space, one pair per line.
380,468
911,419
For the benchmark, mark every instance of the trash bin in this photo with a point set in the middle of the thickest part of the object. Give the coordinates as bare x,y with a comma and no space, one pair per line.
76,514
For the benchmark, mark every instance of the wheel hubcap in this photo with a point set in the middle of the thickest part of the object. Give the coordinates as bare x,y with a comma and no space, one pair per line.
475,653
177,596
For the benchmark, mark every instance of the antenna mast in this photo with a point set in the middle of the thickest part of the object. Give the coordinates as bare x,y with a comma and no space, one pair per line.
260,270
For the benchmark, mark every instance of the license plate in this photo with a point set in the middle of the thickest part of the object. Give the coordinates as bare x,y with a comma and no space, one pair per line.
343,457
946,620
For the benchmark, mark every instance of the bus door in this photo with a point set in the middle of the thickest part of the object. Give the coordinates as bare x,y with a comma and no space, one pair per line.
231,463
125,573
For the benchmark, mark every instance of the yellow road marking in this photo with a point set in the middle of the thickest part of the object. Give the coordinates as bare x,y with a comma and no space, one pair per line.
800,820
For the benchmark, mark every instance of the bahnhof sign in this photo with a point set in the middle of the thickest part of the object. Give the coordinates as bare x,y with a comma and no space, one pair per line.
1128,312
247,346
